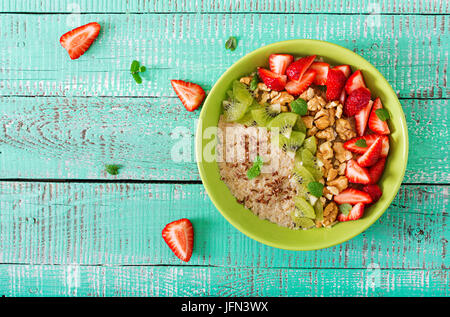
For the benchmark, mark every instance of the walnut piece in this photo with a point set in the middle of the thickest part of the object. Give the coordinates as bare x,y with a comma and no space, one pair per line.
340,183
282,98
327,134
325,150
246,80
330,213
322,123
308,120
342,155
344,129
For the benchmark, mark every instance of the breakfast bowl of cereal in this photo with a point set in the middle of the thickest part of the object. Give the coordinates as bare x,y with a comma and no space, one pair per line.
302,144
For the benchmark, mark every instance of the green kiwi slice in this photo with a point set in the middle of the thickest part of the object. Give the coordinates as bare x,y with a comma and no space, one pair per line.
305,207
241,94
293,143
284,122
311,143
302,222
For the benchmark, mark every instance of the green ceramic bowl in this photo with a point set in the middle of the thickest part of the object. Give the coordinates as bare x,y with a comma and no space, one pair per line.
263,230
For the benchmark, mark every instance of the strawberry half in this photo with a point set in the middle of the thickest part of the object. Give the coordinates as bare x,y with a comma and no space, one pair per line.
335,84
179,236
375,124
77,41
372,154
321,69
354,214
190,94
345,69
370,139
376,170
357,100
361,118
272,80
343,97
357,174
296,87
355,81
296,70
352,196
279,62
374,191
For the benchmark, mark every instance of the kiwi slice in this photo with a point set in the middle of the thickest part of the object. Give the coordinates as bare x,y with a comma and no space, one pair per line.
241,94
302,174
309,162
293,143
305,207
247,120
318,208
300,126
233,110
311,143
302,222
284,122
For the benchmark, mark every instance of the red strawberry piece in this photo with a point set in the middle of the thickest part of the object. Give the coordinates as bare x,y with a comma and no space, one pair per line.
335,84
296,70
355,81
357,100
352,196
296,87
372,154
361,118
357,174
354,214
345,69
321,72
374,191
376,170
77,41
190,94
370,139
279,62
343,97
179,236
272,80
375,123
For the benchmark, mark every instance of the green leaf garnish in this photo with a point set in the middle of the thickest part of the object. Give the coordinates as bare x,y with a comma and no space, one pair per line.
134,67
254,82
315,188
112,169
231,43
299,106
142,69
255,170
345,209
361,143
382,114
137,78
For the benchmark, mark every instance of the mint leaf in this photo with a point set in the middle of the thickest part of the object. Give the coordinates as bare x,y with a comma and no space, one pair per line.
134,68
231,43
254,82
137,78
112,169
142,69
382,114
255,170
315,188
345,209
361,143
299,106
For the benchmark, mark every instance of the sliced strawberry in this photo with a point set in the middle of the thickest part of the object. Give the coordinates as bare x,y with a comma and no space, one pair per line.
179,236
279,62
335,84
190,94
354,214
361,118
370,139
296,70
343,97
345,69
375,124
77,41
374,191
296,87
357,174
357,100
321,69
355,81
352,196
376,170
372,154
272,80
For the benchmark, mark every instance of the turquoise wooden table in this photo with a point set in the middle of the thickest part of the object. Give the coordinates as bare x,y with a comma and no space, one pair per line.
67,228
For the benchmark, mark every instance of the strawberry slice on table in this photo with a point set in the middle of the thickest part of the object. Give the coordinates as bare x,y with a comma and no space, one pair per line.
272,80
296,87
296,70
190,94
370,139
355,81
354,214
376,170
362,117
77,41
374,191
335,84
321,69
375,123
357,174
345,69
179,236
372,154
356,100
352,196
279,62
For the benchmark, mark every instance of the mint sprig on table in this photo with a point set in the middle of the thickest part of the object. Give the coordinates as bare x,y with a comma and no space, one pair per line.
112,169
255,170
135,69
231,43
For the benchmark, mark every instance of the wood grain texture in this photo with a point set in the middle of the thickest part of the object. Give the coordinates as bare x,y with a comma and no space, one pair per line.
410,51
121,224
72,138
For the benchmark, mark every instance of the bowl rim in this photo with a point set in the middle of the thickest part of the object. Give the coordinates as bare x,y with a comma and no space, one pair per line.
202,172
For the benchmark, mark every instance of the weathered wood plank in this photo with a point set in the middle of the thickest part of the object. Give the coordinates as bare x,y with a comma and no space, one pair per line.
74,280
256,6
410,51
74,137
120,224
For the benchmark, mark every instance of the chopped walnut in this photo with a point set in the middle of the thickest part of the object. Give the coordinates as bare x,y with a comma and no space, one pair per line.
332,104
308,94
308,120
263,87
333,190
264,97
312,131
325,150
246,80
340,183
344,129
338,113
332,174
322,123
321,113
314,104
330,213
282,98
284,109
321,101
342,155
327,134
341,169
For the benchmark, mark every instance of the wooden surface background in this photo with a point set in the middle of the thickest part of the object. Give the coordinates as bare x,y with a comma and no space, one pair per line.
69,229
